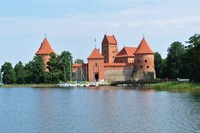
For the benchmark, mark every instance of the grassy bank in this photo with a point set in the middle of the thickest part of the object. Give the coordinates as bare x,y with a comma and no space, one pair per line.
177,86
30,85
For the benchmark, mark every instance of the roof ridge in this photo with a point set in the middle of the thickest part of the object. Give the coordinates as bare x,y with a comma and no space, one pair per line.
128,51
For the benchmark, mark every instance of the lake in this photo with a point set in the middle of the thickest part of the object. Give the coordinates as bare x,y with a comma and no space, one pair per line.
98,110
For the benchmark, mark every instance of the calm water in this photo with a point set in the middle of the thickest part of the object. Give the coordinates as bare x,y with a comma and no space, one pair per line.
98,110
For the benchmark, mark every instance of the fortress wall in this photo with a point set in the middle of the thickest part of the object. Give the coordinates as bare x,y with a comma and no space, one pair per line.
118,73
143,75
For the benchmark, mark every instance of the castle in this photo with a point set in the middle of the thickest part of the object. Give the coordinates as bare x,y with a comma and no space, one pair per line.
111,64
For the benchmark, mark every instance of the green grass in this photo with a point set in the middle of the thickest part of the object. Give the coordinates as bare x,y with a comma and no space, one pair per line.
30,85
177,86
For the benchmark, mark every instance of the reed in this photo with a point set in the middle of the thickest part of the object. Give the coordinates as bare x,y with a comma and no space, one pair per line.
177,86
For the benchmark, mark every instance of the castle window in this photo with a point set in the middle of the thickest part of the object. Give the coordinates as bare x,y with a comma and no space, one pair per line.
138,61
147,66
95,64
145,61
140,66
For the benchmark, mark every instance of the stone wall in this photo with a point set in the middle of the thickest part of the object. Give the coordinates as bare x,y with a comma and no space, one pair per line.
118,75
143,75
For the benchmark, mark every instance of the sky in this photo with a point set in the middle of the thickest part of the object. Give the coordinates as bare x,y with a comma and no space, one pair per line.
73,25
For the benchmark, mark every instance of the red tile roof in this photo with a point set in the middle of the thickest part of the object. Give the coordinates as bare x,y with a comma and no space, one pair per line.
95,55
110,39
127,52
45,48
143,48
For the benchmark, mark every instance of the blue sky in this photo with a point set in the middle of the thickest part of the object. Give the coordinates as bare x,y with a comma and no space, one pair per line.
74,25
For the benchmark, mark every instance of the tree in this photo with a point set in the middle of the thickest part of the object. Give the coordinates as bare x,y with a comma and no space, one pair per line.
8,73
20,73
79,61
174,61
53,68
35,70
0,76
159,65
66,66
193,58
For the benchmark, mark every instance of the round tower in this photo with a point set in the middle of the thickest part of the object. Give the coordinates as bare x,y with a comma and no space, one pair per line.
45,50
144,62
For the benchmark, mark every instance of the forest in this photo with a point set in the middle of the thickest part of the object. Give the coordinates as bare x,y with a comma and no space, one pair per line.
182,61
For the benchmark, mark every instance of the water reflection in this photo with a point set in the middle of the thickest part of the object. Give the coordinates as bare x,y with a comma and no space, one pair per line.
98,109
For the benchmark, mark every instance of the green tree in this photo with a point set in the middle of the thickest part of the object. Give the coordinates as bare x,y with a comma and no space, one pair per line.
35,70
159,65
8,73
66,66
0,76
79,61
53,68
174,60
193,58
20,73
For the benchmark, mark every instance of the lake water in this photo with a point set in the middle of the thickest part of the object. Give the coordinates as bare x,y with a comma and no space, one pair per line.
98,110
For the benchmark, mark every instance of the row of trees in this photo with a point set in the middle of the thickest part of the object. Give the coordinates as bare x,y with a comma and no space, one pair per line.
181,61
58,69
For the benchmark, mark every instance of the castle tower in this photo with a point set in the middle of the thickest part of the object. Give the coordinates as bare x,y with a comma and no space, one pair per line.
95,66
144,62
45,50
109,48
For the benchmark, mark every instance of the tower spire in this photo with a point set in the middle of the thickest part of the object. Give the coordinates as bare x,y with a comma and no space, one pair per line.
95,42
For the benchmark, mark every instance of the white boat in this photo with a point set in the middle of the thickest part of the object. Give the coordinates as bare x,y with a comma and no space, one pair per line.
63,85
1,84
73,85
93,84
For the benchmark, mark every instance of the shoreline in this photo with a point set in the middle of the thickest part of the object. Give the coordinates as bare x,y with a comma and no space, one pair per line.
30,85
164,86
